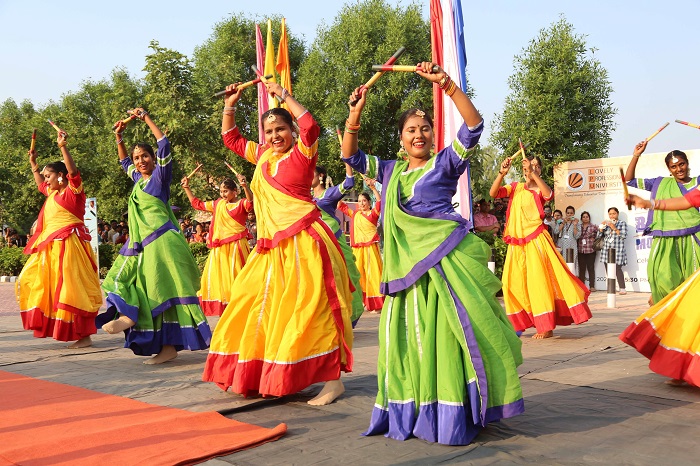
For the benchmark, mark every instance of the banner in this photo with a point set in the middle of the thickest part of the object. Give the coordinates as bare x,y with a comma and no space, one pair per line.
595,186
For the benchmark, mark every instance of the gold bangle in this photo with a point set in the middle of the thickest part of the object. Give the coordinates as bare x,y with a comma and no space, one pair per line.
62,144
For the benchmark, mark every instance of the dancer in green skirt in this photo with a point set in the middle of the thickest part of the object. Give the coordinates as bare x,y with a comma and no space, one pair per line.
152,286
675,249
447,353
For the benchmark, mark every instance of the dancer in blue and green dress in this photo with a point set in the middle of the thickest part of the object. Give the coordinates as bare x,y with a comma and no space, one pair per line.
675,249
448,355
152,286
327,199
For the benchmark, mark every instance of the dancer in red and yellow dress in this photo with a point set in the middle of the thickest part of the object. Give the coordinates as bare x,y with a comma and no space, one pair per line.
227,241
364,240
539,290
58,289
288,323
668,333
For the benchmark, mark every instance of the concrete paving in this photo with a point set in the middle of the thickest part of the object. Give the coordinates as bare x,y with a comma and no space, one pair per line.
589,399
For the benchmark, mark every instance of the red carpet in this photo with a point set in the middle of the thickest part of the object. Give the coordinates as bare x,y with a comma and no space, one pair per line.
47,423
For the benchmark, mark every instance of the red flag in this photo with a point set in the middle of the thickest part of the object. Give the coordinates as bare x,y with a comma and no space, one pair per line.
283,65
436,48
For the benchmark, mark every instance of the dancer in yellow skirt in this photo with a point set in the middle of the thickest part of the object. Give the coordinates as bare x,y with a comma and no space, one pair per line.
668,333
227,241
58,289
539,290
364,240
288,323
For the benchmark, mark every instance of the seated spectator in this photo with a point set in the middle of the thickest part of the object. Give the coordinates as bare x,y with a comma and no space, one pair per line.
252,229
484,221
199,236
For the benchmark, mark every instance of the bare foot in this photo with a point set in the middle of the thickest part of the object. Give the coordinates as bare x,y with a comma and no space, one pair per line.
82,343
118,325
542,336
330,391
651,300
675,382
166,354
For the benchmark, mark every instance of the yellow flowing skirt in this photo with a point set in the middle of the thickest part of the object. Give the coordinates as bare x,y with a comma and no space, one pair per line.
223,265
539,289
668,333
369,262
288,323
58,290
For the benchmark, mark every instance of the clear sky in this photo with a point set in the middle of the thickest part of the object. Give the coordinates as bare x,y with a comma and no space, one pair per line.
649,48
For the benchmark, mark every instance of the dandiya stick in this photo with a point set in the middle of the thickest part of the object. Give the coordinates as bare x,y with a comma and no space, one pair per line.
194,171
340,135
657,132
688,124
31,147
242,86
231,168
263,79
375,77
520,151
401,68
625,190
59,130
126,120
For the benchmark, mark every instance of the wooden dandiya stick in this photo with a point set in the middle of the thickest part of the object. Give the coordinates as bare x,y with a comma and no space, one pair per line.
520,151
242,86
126,120
59,130
263,79
194,171
688,124
657,132
31,146
403,68
375,77
231,168
340,135
626,191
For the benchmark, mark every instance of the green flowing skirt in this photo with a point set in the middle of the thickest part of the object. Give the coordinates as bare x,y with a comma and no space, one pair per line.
672,259
448,355
156,286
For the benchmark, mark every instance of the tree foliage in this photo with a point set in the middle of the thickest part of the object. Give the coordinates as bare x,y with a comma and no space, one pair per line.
559,101
362,34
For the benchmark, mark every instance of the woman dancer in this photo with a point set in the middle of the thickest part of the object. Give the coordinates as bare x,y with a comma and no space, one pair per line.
614,232
364,240
447,353
668,333
586,251
227,241
327,200
539,290
569,233
675,249
288,323
58,289
152,286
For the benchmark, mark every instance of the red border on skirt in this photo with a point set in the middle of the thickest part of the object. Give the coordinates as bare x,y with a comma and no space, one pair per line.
680,365
562,315
252,377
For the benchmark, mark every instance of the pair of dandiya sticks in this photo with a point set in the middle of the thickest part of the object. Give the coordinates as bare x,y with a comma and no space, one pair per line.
380,69
622,172
58,130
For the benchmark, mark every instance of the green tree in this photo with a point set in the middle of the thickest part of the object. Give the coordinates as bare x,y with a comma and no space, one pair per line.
340,59
559,102
225,58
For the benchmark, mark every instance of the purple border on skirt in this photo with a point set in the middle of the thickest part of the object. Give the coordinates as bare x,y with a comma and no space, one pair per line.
430,261
137,247
149,342
475,354
447,424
